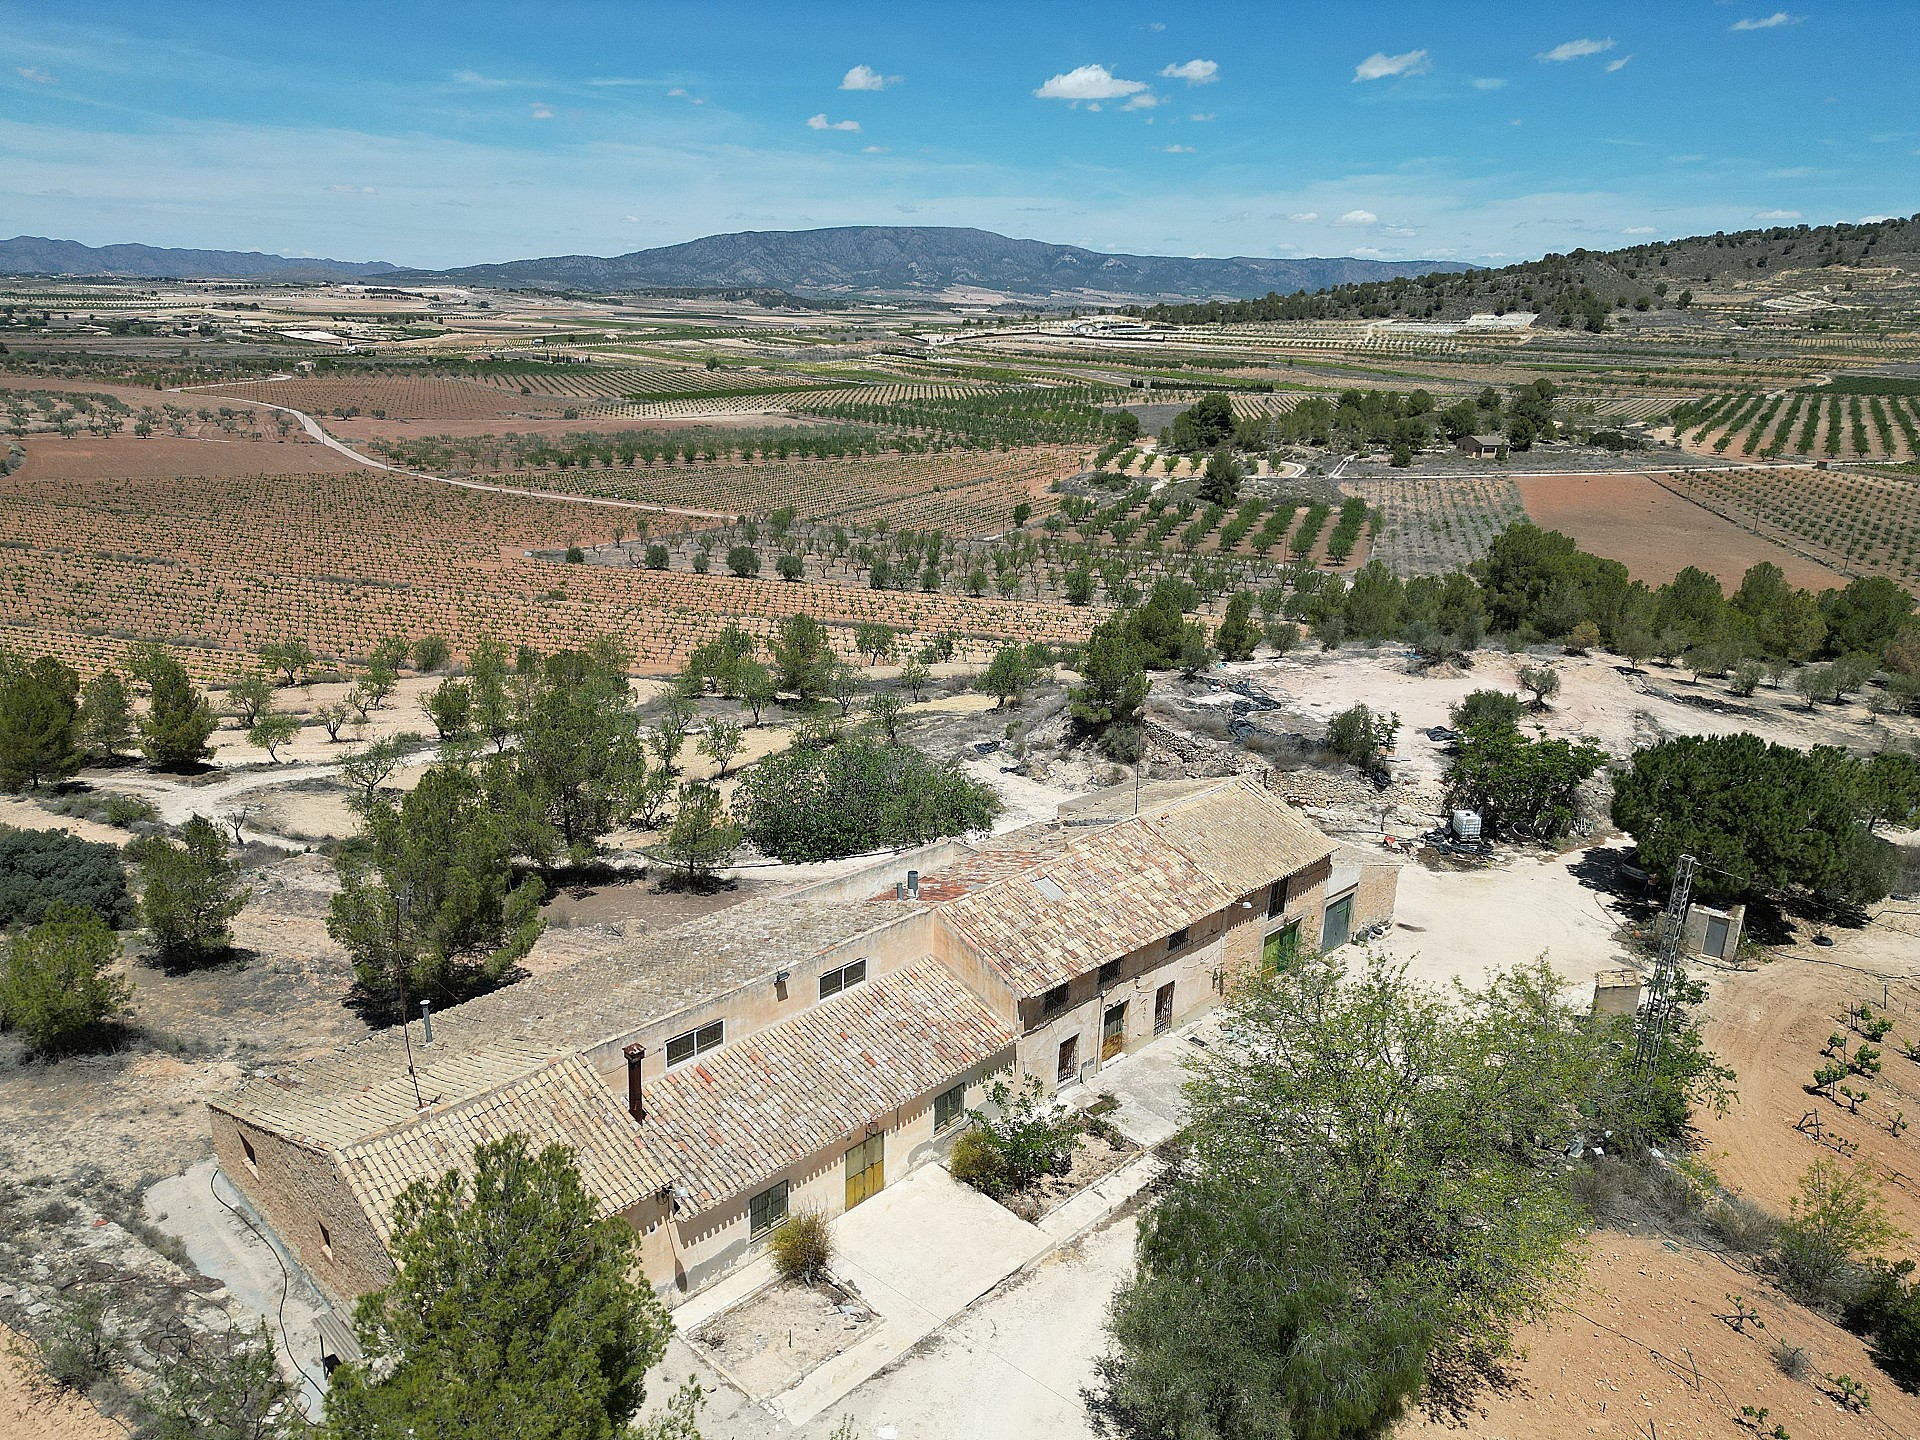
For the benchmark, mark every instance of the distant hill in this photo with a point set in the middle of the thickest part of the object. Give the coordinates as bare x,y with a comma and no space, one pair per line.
924,260
35,255
1581,288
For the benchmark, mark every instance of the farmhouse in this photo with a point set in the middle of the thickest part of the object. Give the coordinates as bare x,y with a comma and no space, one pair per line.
803,1049
1482,447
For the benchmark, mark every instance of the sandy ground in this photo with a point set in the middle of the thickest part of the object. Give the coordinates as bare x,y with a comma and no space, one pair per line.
32,1410
1771,1025
1654,532
1638,1351
158,457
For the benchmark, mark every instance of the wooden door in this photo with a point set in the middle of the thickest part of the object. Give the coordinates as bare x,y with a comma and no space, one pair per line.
866,1169
1113,1031
1163,1009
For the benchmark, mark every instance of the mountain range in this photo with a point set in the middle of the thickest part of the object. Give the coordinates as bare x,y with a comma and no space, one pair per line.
36,255
882,260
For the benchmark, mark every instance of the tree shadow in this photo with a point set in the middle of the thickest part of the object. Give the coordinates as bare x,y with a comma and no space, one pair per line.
228,959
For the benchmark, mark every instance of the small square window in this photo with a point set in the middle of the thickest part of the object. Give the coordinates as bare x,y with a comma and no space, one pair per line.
1054,1001
948,1107
1178,939
1109,972
767,1210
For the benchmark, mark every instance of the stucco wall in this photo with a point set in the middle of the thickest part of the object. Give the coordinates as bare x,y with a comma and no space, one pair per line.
301,1189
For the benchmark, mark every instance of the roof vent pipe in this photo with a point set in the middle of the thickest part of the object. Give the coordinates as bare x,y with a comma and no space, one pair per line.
636,1105
913,884
899,892
426,1021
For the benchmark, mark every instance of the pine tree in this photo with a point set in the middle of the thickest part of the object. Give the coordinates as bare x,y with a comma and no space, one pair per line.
39,722
178,722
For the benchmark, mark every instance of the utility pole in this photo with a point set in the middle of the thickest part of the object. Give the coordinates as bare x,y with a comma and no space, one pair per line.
1651,1033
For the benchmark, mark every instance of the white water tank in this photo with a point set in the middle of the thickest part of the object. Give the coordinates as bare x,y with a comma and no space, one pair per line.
1466,824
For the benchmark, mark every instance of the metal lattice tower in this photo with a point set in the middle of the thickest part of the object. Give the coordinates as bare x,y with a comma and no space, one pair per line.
1651,1033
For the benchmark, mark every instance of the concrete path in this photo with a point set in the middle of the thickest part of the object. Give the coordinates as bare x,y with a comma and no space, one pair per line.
920,1252
204,1212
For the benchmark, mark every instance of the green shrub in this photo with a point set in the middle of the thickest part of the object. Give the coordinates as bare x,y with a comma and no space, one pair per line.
42,868
80,1348
817,802
802,1248
976,1161
55,985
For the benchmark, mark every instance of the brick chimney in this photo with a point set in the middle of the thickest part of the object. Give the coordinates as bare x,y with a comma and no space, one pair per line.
636,1106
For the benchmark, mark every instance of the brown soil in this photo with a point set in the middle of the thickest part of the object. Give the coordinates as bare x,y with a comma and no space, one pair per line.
362,427
1654,532
771,1339
1093,1160
31,1408
128,457
1638,1352
1771,1024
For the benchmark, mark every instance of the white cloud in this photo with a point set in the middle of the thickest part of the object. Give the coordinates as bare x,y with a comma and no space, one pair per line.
1873,219
1638,230
865,77
1613,66
631,220
1194,72
875,149
1368,250
1358,217
1145,100
1765,22
1178,149
1201,119
676,92
1574,50
1776,214
540,112
1089,82
1304,216
1490,82
350,189
1381,66
820,122
35,74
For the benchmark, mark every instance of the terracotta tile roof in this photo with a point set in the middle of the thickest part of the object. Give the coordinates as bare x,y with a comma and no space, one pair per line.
362,1088
562,1102
337,1099
1113,890
742,1114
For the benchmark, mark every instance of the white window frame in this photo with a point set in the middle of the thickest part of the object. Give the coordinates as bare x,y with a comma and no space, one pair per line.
842,981
701,1045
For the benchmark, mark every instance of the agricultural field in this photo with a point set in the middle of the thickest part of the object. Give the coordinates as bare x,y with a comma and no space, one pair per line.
396,397
645,383
1856,520
965,493
1428,527
217,566
1855,418
1656,533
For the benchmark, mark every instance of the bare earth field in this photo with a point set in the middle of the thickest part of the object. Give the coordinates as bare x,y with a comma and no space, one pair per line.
164,457
33,1411
1655,533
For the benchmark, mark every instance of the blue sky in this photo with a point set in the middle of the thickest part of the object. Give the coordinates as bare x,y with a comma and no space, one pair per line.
439,134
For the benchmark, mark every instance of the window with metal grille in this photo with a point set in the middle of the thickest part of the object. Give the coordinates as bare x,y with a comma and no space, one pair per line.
832,982
767,1210
1177,940
1276,898
1054,1001
1109,972
682,1048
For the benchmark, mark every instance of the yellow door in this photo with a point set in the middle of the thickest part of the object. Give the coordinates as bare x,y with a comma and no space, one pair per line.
866,1169
1113,1032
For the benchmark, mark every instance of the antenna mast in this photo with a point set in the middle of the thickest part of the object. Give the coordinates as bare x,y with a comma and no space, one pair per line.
1651,1033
